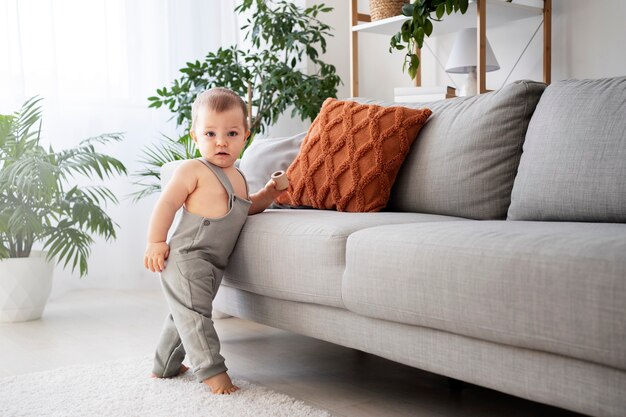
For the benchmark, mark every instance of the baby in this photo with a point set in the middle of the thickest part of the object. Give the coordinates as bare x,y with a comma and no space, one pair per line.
215,201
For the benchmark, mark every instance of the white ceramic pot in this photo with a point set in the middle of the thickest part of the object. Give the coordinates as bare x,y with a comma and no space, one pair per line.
25,285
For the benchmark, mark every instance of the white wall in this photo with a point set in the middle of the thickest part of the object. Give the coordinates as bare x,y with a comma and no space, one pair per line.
588,41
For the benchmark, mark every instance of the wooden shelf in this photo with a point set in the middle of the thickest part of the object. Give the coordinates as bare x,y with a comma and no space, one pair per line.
389,26
499,12
494,13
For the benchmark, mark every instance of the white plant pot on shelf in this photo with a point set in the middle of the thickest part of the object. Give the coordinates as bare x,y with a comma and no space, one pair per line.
25,285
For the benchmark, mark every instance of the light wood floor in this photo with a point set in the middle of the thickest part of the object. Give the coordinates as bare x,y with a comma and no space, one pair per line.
90,326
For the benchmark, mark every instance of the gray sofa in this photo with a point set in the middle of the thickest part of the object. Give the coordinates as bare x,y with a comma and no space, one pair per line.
500,259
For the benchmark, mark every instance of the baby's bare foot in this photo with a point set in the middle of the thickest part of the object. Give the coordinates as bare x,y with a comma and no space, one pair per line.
221,384
181,371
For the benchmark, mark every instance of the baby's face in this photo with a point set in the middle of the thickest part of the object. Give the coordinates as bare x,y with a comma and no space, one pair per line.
220,137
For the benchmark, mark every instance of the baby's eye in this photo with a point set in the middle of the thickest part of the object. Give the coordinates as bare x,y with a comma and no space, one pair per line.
233,133
210,134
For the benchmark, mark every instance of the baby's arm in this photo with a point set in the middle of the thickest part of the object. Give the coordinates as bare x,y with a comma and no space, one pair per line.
182,184
264,197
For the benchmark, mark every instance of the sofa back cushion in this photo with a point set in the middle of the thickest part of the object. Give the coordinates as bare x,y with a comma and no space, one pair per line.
466,156
574,163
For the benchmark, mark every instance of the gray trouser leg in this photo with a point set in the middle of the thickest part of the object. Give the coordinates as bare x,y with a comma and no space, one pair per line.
170,351
189,287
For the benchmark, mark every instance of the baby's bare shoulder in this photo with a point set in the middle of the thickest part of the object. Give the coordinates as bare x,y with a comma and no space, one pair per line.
205,178
189,166
186,174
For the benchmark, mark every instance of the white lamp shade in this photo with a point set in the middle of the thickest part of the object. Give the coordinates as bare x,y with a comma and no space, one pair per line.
463,56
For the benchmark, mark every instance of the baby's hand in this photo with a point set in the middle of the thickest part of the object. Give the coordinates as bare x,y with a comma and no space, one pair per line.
155,256
271,191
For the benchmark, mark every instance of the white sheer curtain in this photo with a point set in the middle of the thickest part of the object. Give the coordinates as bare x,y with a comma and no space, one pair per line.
95,62
104,50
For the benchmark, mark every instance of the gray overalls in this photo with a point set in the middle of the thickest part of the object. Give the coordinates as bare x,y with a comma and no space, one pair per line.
199,251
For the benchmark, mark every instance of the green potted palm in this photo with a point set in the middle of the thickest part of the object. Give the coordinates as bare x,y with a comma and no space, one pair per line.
39,209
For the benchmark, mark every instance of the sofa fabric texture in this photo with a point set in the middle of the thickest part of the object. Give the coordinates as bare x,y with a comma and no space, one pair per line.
557,287
465,158
540,376
351,155
572,168
299,255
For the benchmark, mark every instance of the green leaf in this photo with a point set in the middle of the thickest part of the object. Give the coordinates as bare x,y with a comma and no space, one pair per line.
70,245
440,11
415,62
463,5
428,27
419,37
406,31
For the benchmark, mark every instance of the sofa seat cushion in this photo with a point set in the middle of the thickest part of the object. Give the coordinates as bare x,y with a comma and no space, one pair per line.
299,255
556,287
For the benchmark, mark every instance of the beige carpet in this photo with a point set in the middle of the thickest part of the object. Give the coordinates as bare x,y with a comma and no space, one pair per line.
123,388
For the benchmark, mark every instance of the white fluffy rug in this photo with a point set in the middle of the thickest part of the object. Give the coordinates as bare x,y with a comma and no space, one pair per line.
123,388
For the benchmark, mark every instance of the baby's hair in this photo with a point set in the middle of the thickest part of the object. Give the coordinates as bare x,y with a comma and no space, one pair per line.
218,99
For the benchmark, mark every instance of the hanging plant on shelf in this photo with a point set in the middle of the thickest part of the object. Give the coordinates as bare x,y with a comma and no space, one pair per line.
412,33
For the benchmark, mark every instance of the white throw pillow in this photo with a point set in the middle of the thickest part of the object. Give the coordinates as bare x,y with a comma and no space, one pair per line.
267,155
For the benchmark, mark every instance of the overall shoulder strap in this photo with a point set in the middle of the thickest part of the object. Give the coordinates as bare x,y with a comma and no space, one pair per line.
219,173
245,181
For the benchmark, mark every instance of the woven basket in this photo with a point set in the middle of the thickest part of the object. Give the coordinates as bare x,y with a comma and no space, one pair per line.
382,9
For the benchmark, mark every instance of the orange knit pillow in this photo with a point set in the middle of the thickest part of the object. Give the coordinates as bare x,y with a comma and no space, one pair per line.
351,155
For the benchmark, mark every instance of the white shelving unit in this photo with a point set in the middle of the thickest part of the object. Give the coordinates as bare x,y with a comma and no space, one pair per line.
481,14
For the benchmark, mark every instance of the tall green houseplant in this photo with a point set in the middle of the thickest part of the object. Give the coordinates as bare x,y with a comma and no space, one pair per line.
421,14
37,203
268,78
